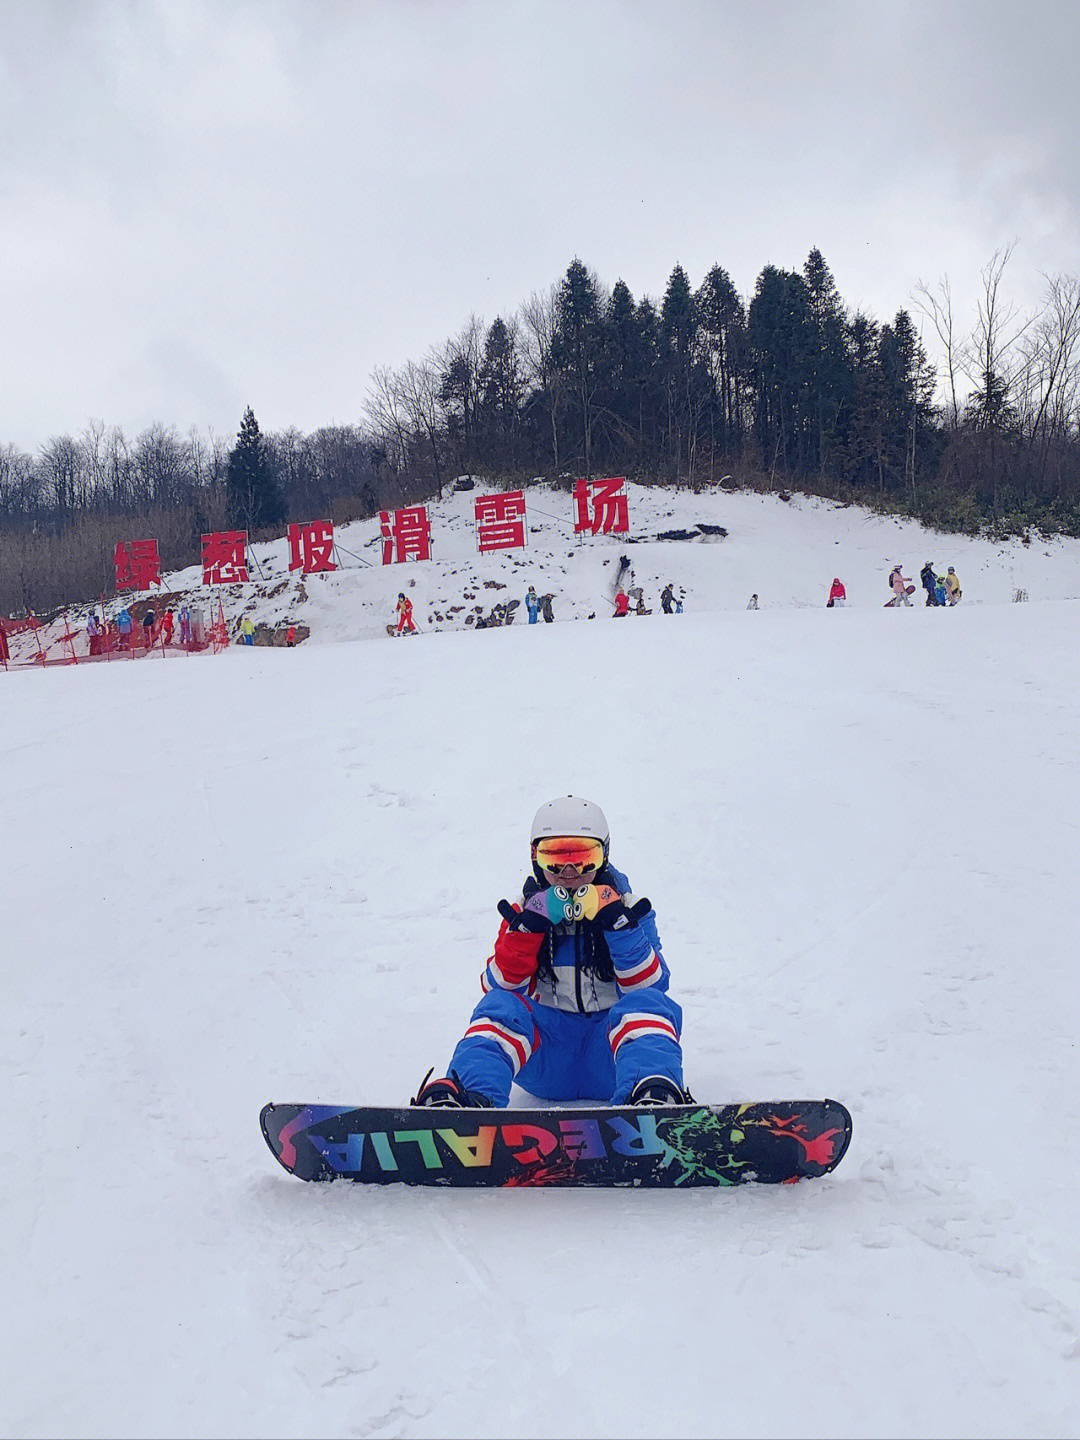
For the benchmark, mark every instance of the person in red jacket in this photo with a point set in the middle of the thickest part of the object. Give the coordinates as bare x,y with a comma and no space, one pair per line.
405,624
622,604
837,594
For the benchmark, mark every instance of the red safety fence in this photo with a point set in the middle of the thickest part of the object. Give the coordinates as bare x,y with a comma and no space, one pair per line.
29,641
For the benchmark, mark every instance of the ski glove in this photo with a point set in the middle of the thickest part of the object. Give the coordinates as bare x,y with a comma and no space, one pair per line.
517,953
606,907
543,910
517,947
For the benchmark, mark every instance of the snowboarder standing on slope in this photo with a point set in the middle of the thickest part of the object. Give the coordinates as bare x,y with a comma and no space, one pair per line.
575,992
837,594
404,613
899,583
928,580
952,586
532,605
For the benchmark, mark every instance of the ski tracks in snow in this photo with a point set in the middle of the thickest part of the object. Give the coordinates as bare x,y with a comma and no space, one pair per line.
508,1321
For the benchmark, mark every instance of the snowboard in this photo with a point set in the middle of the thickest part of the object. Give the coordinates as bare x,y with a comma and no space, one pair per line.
908,590
657,1147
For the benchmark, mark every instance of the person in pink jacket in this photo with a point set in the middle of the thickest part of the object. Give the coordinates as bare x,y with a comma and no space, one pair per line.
899,583
837,594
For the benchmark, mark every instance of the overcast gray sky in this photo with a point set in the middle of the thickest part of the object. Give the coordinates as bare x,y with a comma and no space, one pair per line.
209,205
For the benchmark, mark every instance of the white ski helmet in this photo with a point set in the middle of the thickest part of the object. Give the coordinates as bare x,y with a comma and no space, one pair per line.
570,815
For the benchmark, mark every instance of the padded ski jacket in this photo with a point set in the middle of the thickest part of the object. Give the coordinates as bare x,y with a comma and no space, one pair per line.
576,954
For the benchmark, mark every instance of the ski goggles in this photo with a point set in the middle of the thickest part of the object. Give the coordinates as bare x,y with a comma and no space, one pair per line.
578,851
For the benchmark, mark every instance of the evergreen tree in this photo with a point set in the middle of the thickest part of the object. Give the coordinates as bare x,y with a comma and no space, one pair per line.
781,343
254,499
576,349
831,379
678,327
617,399
862,462
649,381
500,385
721,336
627,360
907,381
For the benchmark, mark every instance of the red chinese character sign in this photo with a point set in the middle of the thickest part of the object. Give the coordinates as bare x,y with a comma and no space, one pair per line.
224,557
311,547
406,534
601,506
500,521
137,564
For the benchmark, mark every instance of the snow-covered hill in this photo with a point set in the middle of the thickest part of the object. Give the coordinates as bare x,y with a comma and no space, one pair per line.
273,874
786,552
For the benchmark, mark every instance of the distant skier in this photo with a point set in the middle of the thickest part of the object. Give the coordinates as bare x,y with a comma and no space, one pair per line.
185,625
148,622
928,580
575,992
247,631
952,587
166,628
622,604
837,594
667,598
939,590
94,633
546,610
532,605
405,624
124,627
901,587
752,603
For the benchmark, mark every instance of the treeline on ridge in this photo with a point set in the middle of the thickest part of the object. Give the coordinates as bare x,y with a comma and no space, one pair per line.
701,388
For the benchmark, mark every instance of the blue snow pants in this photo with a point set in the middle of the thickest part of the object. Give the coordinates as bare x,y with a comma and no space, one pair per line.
561,1055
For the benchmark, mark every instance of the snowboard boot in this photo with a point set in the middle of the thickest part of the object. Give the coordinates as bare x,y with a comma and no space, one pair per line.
448,1094
659,1090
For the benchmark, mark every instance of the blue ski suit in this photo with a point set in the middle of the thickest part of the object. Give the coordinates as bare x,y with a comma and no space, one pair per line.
592,1022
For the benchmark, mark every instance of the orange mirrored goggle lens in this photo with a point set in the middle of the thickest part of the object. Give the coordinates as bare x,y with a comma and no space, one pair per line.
560,851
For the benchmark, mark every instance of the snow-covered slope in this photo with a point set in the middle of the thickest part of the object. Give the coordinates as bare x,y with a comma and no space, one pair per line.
786,552
273,874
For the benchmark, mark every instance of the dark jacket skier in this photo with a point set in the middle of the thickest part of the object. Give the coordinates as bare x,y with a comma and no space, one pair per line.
928,580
